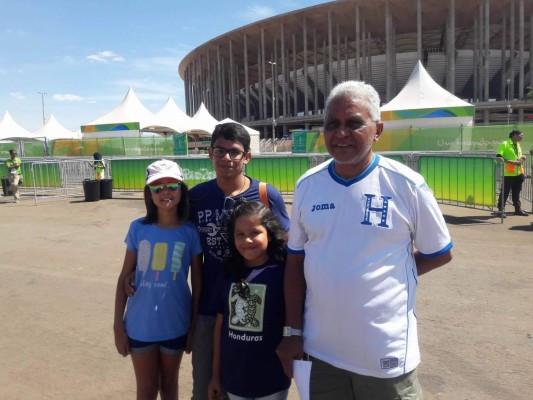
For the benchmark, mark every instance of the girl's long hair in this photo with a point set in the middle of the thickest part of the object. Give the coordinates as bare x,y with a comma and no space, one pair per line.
151,209
277,245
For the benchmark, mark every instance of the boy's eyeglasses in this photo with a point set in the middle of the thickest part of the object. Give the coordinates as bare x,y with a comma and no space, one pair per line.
159,188
234,154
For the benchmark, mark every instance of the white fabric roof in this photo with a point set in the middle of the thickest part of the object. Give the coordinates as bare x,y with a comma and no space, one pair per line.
421,91
9,129
52,130
169,120
423,103
130,110
203,120
254,135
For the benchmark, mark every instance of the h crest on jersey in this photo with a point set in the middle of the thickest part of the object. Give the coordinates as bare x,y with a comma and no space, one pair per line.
376,210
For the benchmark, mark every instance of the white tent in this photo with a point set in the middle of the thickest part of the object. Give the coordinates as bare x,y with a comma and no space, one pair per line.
130,110
52,130
203,120
10,130
254,135
424,103
170,120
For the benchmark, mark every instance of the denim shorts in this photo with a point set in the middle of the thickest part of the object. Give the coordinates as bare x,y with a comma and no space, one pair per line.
171,347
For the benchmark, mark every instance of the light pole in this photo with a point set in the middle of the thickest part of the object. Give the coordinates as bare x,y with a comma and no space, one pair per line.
272,63
509,109
42,103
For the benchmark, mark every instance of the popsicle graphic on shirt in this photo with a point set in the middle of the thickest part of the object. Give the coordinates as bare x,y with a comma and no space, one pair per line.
177,255
143,256
159,258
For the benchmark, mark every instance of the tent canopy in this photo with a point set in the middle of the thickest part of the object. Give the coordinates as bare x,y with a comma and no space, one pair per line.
424,103
52,130
170,120
203,120
10,130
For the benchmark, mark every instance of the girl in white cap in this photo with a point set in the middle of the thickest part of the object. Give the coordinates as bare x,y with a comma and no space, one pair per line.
155,325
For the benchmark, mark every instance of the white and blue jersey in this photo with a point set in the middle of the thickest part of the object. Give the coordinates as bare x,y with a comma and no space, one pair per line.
358,237
162,305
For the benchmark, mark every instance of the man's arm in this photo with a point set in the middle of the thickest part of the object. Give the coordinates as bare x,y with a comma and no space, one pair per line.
291,348
424,265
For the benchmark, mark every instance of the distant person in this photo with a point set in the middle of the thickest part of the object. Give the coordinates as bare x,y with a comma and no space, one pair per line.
98,166
14,174
250,309
363,229
158,323
514,176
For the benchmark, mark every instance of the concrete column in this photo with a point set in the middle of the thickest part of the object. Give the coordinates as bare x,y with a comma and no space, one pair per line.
358,42
512,50
283,75
503,75
419,30
246,78
521,39
294,76
475,77
306,77
232,85
315,73
330,55
486,72
451,48
388,51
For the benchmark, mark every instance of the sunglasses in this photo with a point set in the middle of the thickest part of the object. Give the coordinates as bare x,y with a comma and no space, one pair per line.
159,188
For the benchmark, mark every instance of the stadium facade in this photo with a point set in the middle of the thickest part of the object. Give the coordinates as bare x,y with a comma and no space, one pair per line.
285,66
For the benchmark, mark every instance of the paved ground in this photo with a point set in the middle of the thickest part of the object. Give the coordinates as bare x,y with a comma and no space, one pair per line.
60,261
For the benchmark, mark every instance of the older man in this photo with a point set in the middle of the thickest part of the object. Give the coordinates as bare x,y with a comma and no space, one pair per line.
363,228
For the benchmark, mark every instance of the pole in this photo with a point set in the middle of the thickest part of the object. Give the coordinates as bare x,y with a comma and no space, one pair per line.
42,103
272,63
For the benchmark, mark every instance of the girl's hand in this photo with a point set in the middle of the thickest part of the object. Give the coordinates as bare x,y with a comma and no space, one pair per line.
129,284
121,340
214,390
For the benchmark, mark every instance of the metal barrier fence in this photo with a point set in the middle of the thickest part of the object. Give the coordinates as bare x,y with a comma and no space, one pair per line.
471,179
59,178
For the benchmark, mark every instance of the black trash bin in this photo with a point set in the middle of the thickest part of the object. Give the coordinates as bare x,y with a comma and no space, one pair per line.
106,189
91,189
5,186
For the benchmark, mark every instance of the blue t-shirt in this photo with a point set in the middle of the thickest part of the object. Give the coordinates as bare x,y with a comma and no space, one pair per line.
207,209
251,330
162,305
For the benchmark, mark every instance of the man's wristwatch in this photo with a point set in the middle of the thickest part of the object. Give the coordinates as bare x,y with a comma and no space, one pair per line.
290,331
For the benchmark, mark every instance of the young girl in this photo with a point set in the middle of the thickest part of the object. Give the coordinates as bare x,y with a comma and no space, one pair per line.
250,317
159,319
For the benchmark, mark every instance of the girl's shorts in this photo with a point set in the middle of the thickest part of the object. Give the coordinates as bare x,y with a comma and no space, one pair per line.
172,347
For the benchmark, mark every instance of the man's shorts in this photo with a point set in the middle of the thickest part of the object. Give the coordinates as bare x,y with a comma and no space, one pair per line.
329,382
171,347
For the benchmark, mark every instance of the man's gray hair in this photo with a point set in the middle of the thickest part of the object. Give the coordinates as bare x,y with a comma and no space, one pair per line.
361,93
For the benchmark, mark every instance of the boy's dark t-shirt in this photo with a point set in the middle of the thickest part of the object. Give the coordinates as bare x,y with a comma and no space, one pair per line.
208,203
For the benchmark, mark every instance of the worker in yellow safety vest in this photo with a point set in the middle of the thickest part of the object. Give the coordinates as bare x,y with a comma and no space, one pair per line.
511,152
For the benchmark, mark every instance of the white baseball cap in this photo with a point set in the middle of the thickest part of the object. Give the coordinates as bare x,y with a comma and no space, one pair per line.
163,169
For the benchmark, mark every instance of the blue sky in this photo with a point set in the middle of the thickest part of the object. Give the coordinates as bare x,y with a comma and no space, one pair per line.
85,54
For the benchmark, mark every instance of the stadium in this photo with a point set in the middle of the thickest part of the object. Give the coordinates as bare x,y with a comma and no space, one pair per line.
275,74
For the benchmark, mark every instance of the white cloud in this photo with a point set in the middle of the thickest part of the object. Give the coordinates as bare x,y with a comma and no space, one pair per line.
66,97
17,95
256,12
105,56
